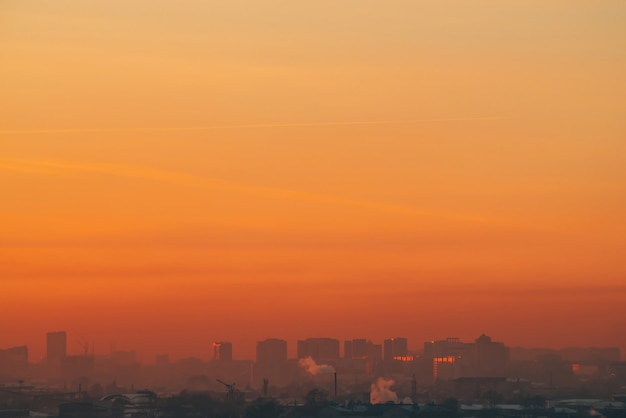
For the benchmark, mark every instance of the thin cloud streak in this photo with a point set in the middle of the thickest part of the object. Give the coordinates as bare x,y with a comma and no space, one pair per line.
245,126
190,180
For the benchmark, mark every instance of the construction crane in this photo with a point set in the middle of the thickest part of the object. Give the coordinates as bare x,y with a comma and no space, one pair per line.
230,394
84,344
266,383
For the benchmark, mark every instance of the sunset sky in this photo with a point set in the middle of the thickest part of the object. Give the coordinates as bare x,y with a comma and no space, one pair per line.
174,173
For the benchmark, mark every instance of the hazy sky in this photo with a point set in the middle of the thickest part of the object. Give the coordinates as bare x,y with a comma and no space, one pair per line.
173,173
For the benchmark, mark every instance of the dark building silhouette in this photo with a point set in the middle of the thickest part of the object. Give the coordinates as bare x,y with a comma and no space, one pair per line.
124,365
222,351
75,367
271,351
359,348
56,350
449,359
364,353
373,352
124,358
271,361
395,347
347,350
491,357
452,358
318,348
591,355
14,362
355,348
162,359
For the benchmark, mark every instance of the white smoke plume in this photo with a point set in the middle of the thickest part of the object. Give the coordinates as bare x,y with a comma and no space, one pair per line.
313,368
380,391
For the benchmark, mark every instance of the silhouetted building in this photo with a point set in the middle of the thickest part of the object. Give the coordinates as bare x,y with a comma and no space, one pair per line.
359,348
373,352
222,351
56,350
124,358
162,359
591,355
124,366
491,357
271,351
356,348
318,348
395,347
530,354
449,358
347,350
366,352
14,362
482,388
388,350
271,359
75,367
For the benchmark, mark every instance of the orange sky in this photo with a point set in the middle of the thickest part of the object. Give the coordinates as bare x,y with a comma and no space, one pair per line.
177,173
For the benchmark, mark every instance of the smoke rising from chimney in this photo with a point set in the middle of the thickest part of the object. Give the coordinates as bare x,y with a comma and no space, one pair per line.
313,368
380,391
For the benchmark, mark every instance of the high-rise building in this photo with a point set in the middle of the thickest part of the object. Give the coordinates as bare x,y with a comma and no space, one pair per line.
395,347
271,351
14,362
222,351
374,352
124,357
591,355
162,359
76,367
56,349
347,350
319,348
271,361
388,350
359,348
449,358
491,357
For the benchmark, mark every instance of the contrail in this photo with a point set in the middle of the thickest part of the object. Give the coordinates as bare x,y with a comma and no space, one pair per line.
190,180
243,126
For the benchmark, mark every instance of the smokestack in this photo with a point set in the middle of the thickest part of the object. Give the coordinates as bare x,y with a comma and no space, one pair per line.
335,385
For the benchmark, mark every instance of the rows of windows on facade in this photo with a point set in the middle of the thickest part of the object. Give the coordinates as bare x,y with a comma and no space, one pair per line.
445,359
442,360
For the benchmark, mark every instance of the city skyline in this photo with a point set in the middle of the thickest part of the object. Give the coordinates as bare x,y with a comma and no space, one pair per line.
57,346
173,175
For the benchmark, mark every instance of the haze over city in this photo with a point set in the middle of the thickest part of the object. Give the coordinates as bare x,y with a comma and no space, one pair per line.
174,174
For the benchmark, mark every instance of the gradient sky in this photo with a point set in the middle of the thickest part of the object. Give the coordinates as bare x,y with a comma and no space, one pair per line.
173,173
